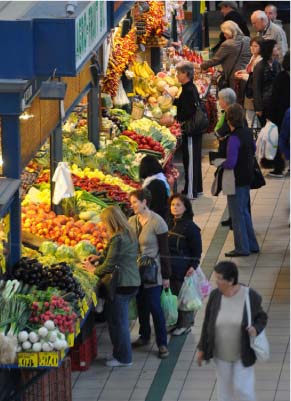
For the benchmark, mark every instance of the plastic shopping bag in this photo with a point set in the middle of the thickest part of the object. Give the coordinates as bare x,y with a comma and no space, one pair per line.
169,306
132,309
189,298
202,283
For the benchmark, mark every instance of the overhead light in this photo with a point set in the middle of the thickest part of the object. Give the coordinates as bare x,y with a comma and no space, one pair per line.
71,8
26,116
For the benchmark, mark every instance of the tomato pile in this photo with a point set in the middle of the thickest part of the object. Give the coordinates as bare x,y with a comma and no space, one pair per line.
145,142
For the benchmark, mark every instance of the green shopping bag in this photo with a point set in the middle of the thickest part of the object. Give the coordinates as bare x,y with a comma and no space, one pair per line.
169,306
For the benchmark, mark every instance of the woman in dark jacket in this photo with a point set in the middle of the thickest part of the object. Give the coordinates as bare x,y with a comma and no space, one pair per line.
154,180
191,145
122,251
263,77
185,247
225,335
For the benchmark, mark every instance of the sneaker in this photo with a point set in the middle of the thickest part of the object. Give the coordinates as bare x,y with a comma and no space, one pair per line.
181,330
163,352
114,363
109,357
275,174
139,343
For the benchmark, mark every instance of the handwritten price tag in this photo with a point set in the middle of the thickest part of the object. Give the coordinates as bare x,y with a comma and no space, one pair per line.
71,340
48,359
85,305
27,359
78,329
94,299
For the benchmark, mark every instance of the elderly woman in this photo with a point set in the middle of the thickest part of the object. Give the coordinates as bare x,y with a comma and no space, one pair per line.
225,334
191,144
233,55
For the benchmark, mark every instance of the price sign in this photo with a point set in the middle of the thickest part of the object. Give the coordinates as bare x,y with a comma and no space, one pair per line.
94,299
48,359
85,306
27,359
78,329
71,339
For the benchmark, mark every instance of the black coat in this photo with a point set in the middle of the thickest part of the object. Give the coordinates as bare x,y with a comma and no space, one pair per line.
280,97
159,202
185,246
186,102
263,78
207,339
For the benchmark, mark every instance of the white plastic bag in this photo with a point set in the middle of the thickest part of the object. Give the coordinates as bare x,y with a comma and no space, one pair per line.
267,142
189,298
203,284
121,98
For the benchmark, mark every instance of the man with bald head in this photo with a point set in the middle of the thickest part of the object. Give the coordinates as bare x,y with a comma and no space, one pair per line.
268,30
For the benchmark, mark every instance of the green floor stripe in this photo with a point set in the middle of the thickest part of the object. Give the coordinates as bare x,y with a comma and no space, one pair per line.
165,370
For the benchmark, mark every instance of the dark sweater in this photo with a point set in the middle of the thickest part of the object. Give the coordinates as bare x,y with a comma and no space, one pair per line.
207,339
159,202
280,97
186,102
185,246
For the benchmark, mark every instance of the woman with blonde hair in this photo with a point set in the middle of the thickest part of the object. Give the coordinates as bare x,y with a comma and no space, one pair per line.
233,54
122,252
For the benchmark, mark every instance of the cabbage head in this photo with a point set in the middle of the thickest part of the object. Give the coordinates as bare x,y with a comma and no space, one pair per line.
48,248
83,249
65,252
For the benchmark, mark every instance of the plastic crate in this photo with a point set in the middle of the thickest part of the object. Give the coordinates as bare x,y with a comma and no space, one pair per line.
55,385
83,354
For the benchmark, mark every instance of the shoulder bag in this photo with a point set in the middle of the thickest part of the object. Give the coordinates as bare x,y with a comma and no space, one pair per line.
260,343
109,282
258,179
198,123
223,81
148,267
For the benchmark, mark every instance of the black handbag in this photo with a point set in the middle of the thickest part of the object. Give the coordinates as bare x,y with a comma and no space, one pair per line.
148,267
198,123
258,179
109,283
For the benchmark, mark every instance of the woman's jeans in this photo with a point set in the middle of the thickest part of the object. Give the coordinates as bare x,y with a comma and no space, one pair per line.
149,302
118,325
244,236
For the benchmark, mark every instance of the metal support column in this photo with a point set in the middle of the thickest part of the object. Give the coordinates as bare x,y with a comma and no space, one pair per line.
93,116
56,156
11,153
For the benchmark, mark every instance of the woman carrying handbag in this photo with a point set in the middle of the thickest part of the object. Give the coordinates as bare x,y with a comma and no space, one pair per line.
118,259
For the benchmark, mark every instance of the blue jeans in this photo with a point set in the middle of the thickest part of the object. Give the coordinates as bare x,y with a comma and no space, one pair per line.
244,236
118,325
149,302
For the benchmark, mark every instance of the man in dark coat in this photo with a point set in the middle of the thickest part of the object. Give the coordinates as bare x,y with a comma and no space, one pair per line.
230,13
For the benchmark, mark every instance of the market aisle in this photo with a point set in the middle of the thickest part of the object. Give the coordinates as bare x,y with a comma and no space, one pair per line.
179,379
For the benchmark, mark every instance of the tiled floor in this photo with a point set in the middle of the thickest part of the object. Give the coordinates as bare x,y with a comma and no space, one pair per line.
267,272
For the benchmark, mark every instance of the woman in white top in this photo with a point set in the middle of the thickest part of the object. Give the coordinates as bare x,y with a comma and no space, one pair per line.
226,335
247,76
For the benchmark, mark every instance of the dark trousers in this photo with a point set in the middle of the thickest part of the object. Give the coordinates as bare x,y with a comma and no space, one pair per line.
279,163
192,165
149,303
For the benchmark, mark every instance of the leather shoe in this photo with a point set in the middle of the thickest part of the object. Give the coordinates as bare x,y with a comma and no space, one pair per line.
226,223
139,343
234,254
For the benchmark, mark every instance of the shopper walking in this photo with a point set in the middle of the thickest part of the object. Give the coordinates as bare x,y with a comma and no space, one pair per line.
233,55
247,76
152,233
122,252
229,10
225,335
154,179
271,13
240,159
192,142
264,75
268,30
185,246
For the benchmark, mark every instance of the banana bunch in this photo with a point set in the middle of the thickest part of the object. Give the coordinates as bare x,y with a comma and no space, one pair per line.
142,77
